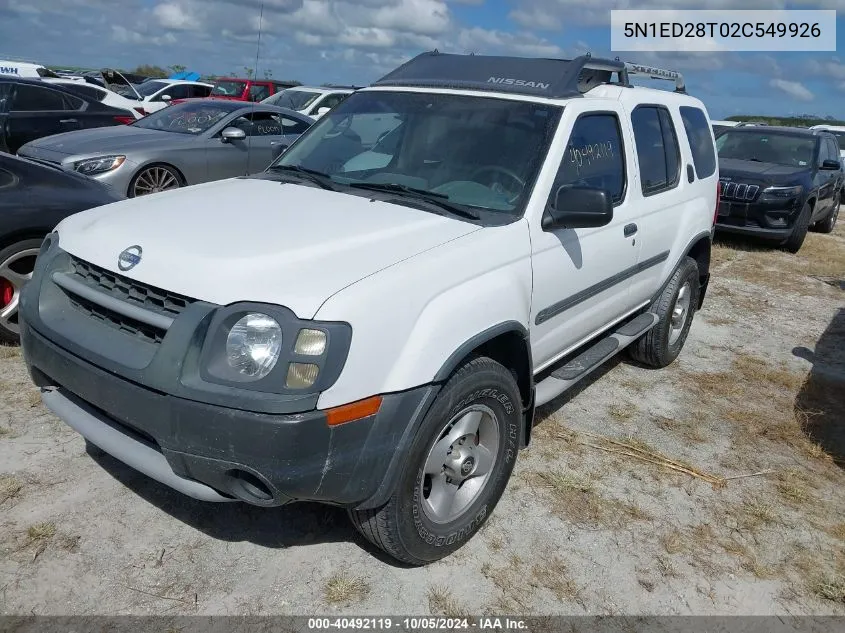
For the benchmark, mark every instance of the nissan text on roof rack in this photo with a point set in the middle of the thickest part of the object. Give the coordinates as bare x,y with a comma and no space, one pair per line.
434,258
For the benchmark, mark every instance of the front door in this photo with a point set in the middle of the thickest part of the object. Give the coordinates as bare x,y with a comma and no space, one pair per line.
581,279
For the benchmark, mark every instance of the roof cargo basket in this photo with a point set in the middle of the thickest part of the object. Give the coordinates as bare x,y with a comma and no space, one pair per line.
657,73
541,77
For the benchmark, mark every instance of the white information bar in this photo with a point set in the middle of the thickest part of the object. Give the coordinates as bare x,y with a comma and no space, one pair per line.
714,31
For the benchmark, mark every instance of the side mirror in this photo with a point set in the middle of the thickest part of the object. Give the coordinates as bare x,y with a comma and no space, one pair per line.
322,111
232,134
577,207
166,97
831,164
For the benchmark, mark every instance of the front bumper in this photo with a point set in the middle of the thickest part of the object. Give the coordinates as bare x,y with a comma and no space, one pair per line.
765,220
215,453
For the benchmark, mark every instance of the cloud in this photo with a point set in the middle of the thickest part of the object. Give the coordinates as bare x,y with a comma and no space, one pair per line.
794,89
483,41
173,16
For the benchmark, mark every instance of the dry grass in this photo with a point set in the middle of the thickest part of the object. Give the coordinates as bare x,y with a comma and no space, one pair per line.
41,531
554,576
623,411
760,570
689,429
837,531
821,256
794,487
830,588
344,588
10,488
441,602
576,500
9,351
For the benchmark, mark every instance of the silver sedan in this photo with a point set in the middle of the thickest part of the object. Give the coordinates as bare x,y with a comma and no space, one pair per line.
183,144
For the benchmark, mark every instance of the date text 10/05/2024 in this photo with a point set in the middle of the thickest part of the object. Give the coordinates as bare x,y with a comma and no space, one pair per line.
421,623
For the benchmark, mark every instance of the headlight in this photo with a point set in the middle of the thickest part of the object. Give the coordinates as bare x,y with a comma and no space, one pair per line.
98,165
781,193
267,348
253,345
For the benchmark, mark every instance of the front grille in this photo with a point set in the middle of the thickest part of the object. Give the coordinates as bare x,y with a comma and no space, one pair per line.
739,191
129,290
112,319
135,293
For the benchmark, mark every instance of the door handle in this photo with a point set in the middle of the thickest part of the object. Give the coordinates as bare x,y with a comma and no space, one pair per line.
630,229
68,121
690,173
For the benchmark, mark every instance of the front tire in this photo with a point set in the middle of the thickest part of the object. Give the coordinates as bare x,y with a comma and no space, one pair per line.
456,469
829,223
799,232
153,179
675,308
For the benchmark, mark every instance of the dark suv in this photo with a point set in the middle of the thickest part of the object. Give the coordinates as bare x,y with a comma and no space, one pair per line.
778,182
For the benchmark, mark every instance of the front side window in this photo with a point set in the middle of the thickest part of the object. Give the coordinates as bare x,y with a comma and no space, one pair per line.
479,152
594,157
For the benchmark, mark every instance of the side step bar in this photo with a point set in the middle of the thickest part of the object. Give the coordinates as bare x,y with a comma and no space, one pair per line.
579,367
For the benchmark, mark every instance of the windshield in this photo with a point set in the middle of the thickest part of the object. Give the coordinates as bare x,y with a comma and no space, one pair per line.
780,149
149,88
184,118
293,99
228,88
479,152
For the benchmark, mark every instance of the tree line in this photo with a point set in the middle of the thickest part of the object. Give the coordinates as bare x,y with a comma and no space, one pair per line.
803,120
157,72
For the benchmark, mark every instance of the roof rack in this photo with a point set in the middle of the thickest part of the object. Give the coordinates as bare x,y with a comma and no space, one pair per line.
657,73
552,78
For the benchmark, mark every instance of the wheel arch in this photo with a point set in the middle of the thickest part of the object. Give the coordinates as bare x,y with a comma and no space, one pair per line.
23,234
700,249
507,343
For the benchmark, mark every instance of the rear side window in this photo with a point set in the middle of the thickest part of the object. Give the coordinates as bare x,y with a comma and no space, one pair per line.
657,148
89,91
594,156
700,140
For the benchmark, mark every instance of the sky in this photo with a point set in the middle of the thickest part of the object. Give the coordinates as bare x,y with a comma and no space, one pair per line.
357,41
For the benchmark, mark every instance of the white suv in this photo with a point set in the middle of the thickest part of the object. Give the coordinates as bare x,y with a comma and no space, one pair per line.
372,321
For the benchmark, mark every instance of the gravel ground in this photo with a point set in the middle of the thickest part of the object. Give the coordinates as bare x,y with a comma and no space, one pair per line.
711,487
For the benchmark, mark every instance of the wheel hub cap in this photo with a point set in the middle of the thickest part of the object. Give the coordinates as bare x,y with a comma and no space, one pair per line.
679,313
459,464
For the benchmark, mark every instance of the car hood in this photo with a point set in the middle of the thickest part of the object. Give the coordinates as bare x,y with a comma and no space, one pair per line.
747,170
257,240
110,139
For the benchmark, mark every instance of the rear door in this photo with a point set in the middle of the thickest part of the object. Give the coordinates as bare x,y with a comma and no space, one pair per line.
37,111
665,190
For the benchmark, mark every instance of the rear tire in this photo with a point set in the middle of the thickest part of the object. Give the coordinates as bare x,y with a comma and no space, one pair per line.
799,232
675,308
428,517
829,223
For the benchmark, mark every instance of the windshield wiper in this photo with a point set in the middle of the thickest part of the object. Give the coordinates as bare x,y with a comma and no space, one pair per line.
318,177
440,200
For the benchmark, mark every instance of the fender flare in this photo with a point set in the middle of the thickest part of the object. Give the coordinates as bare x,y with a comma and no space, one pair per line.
385,488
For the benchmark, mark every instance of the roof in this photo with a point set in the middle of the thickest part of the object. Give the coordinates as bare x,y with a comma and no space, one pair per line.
539,77
320,89
778,129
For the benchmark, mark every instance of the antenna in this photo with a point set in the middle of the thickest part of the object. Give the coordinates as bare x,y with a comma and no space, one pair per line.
254,76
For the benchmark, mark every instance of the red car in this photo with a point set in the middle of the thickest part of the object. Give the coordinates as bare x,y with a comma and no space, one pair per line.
246,89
